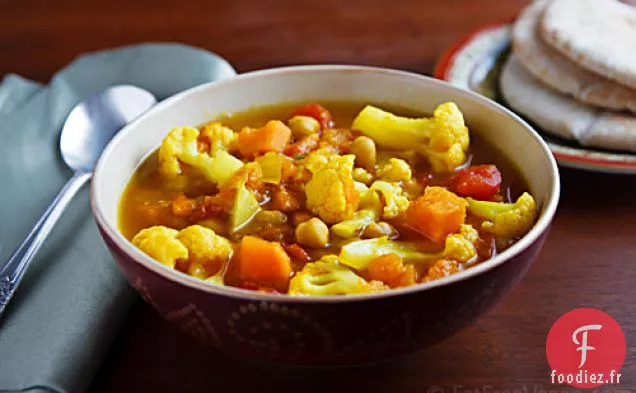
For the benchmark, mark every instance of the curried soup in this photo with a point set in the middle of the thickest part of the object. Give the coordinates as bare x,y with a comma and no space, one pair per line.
325,199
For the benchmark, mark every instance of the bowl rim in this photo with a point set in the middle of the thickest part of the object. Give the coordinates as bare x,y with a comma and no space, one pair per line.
541,226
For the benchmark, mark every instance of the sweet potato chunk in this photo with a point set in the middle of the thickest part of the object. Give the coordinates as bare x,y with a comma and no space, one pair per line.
391,270
273,136
436,214
264,263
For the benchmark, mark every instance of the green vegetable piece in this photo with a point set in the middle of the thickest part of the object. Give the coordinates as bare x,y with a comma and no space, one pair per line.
244,209
220,167
354,226
359,254
459,247
271,167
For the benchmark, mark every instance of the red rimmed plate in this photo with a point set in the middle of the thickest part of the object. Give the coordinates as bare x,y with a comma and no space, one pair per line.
474,63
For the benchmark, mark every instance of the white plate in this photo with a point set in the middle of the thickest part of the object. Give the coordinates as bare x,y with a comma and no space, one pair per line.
473,63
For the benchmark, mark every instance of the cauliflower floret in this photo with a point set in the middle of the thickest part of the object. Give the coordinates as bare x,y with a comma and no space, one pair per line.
370,211
318,159
207,252
180,146
506,220
393,198
161,243
450,118
443,139
331,192
204,245
326,277
459,247
442,268
361,188
220,137
395,171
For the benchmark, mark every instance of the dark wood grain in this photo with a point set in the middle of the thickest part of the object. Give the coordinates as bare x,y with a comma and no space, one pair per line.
37,37
588,261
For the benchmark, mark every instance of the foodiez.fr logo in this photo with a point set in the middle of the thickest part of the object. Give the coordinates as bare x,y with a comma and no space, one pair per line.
586,349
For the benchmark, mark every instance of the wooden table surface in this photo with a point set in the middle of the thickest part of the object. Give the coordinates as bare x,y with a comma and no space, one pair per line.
588,261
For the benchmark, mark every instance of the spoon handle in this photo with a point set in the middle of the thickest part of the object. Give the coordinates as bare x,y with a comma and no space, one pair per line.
13,270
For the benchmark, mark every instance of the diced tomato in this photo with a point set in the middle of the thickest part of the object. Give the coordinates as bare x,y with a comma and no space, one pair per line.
286,200
297,253
303,146
316,111
480,182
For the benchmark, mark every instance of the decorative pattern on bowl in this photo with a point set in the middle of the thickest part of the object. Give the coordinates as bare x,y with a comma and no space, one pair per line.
318,334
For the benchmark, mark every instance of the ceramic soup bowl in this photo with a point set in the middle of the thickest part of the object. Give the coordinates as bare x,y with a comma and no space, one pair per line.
327,330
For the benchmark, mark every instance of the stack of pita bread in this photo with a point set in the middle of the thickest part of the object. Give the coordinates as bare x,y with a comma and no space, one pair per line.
572,71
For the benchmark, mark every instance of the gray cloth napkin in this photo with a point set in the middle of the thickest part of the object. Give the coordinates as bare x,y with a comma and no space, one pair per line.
73,299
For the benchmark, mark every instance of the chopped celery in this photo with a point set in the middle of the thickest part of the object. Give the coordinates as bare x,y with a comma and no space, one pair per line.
244,208
354,226
271,167
220,167
360,253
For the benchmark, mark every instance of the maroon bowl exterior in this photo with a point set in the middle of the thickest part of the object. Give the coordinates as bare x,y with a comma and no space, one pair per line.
326,334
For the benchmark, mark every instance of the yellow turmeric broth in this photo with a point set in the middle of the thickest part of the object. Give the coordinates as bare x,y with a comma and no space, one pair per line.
293,199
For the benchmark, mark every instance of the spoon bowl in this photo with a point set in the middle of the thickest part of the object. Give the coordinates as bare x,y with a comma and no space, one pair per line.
87,130
93,122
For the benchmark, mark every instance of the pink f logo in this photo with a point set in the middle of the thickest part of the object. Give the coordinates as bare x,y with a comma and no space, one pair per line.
584,347
584,344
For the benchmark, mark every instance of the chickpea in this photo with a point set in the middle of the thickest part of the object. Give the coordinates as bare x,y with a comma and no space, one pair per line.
362,176
379,229
412,188
270,218
364,149
313,233
302,126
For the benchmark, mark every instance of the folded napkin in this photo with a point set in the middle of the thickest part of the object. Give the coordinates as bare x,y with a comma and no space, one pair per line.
73,299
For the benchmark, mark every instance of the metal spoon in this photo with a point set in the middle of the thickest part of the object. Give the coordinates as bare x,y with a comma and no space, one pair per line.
86,132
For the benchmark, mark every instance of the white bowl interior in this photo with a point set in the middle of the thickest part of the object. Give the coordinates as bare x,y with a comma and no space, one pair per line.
492,122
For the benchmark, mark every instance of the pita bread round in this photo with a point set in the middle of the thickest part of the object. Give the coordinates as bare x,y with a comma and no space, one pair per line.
598,35
563,116
561,74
